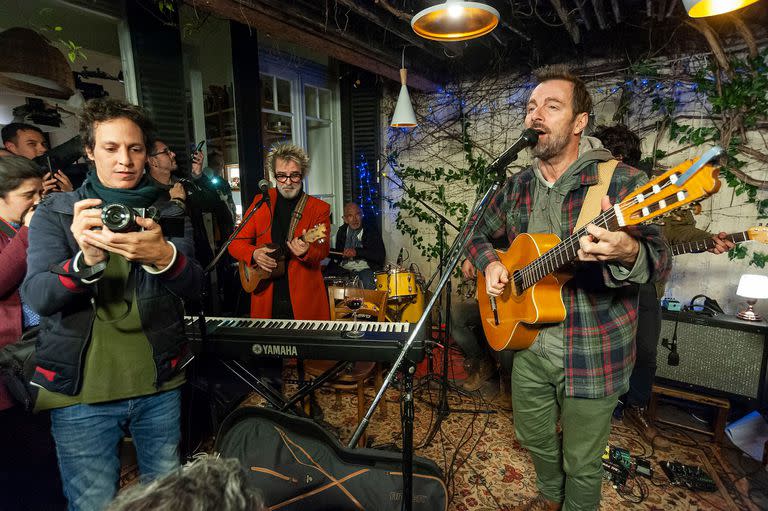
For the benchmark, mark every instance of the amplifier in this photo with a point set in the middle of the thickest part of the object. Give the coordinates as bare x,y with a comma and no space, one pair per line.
722,353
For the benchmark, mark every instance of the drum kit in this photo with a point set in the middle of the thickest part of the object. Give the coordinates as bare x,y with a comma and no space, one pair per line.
404,287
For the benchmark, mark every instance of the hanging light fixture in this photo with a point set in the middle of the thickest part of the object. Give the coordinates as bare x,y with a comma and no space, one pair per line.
455,20
30,65
703,8
404,117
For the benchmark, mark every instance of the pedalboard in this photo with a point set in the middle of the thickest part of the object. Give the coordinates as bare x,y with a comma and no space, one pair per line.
692,477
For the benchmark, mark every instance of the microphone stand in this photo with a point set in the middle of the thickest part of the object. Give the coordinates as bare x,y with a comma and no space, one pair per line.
265,391
408,409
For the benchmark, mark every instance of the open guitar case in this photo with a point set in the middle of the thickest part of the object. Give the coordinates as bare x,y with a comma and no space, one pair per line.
297,465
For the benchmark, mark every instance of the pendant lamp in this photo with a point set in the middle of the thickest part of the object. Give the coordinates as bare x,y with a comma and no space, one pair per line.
703,8
404,117
30,65
455,20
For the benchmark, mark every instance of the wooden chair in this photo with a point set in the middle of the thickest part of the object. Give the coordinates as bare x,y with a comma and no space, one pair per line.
375,307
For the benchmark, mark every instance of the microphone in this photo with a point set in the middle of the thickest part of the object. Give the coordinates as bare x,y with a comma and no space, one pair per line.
400,257
528,138
264,187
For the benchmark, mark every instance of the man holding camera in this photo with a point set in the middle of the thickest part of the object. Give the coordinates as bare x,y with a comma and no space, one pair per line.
111,349
28,141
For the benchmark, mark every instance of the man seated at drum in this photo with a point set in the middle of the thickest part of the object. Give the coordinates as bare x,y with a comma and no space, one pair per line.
362,249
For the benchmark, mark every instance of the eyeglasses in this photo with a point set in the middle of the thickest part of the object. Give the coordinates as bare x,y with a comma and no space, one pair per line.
295,177
167,151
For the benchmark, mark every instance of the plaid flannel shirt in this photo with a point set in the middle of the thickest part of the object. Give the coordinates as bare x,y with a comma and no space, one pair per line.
601,311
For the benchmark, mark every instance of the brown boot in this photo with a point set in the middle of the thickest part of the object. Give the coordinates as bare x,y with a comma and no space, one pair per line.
637,416
538,503
480,373
503,399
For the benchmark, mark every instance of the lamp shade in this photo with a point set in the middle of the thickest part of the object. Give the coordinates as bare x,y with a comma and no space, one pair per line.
753,286
30,65
455,20
404,116
704,8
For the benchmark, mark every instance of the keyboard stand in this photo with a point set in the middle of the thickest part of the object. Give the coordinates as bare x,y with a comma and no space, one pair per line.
274,398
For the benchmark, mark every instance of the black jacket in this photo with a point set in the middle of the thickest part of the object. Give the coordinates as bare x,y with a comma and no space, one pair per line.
66,304
373,246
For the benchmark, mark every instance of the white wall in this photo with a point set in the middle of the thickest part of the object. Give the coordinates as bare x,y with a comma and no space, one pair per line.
497,120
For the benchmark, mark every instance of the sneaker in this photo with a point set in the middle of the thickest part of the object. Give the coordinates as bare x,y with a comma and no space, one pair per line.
538,503
638,417
480,374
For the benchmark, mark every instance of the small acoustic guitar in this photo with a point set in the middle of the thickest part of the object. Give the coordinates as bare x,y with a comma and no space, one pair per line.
536,262
251,274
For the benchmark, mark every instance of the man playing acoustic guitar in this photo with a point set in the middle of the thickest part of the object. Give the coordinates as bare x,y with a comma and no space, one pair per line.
575,370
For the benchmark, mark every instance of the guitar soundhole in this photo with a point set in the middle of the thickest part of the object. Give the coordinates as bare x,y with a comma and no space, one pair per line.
517,283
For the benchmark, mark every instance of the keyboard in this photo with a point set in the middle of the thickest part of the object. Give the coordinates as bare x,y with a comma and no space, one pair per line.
304,339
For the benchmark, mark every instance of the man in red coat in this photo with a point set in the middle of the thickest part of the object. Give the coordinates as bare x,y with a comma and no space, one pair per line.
300,292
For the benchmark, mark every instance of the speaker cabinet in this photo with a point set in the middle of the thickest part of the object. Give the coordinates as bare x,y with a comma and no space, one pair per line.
722,354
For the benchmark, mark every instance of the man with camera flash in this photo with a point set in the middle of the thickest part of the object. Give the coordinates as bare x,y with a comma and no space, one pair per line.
111,348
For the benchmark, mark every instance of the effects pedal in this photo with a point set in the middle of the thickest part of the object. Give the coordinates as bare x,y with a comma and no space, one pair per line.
643,467
616,464
692,477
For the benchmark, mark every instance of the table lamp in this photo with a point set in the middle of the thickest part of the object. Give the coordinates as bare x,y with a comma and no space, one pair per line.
752,287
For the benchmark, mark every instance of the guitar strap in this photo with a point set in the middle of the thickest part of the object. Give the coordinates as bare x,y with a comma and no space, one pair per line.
297,215
591,206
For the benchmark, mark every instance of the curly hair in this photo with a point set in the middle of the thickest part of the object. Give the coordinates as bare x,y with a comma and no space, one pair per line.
208,482
582,101
97,111
622,142
289,152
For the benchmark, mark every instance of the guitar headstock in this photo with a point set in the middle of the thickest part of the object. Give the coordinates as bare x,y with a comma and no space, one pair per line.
317,232
683,185
759,233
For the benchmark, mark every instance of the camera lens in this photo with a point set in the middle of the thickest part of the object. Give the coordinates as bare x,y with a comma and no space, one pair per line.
117,217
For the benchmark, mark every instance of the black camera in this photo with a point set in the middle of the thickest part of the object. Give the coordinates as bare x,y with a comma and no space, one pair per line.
121,218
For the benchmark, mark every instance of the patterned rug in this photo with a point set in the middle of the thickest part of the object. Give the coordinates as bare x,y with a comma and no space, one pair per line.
487,469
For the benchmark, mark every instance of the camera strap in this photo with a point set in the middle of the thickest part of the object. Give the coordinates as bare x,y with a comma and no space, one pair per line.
88,272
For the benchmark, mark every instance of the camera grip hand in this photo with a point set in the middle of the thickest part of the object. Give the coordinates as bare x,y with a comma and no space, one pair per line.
87,217
154,249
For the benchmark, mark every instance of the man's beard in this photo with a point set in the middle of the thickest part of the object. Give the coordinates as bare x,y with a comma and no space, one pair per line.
552,147
289,194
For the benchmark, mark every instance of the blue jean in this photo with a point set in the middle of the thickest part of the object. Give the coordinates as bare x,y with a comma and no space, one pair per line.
87,439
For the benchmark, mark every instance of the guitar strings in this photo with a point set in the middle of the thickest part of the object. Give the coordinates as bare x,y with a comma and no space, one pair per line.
527,276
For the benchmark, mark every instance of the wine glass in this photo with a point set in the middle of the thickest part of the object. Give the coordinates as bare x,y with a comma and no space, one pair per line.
353,299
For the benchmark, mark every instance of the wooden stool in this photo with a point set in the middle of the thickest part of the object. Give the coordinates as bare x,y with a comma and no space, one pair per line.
722,406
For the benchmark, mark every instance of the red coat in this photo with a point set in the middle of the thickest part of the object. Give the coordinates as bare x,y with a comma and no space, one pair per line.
13,267
305,280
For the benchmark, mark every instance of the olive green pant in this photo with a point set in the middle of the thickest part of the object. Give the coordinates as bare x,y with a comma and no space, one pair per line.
568,468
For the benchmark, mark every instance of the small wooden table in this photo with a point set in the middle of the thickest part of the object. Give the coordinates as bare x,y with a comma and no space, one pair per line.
722,405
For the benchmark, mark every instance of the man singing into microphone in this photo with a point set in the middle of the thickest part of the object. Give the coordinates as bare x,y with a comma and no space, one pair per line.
574,371
299,292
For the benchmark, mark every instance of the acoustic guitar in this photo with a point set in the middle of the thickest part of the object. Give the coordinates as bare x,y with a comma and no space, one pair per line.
758,233
533,297
251,274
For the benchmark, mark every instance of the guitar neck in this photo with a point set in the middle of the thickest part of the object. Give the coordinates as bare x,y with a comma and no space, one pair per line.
561,254
689,247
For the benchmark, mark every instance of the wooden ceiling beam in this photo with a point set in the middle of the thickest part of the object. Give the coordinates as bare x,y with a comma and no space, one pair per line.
409,37
342,47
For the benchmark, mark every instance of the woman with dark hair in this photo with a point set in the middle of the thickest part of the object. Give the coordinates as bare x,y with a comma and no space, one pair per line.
29,476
